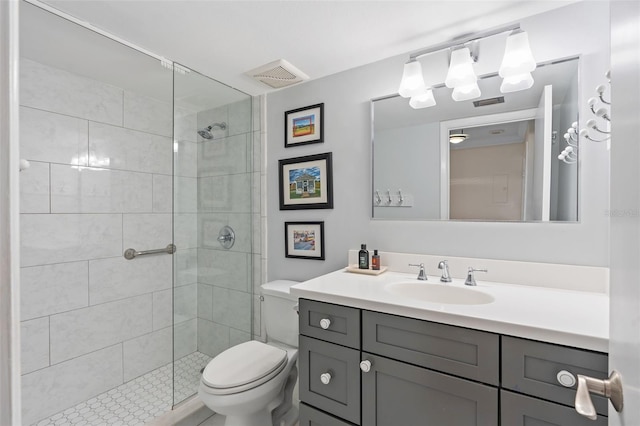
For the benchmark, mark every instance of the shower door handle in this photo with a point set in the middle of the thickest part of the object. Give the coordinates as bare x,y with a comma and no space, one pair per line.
130,253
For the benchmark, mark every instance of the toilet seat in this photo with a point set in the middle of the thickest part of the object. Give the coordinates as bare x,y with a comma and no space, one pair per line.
243,367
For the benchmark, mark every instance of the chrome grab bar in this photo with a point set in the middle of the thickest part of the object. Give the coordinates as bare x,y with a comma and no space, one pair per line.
130,253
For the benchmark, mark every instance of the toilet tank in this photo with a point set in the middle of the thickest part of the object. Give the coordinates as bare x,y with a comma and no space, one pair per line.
279,313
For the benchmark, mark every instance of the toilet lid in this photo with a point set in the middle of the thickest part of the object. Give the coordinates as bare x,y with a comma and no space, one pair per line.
243,364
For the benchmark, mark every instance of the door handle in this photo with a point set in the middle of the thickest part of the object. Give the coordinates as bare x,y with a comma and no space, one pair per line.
611,388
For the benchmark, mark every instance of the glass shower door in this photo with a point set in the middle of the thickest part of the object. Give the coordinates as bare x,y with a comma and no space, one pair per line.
212,224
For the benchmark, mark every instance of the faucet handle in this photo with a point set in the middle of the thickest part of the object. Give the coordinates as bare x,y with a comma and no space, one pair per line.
445,278
422,275
471,280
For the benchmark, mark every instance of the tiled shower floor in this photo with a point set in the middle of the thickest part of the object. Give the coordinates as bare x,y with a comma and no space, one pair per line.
138,401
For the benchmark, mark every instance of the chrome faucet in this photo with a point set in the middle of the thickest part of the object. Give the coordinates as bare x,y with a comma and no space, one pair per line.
445,278
422,275
471,280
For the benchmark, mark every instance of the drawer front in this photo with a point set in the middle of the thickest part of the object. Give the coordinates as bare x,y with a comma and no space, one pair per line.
341,395
399,394
309,416
520,410
343,327
531,367
467,353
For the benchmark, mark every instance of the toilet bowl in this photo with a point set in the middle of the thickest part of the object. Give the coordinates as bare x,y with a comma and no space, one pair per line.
252,383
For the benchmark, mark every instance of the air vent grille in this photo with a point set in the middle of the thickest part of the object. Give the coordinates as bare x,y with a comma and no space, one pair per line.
490,101
278,74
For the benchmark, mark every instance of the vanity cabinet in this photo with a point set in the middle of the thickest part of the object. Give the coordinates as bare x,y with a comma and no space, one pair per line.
370,368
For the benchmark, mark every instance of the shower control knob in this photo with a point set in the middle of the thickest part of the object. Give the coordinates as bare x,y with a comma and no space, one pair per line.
325,378
325,323
365,366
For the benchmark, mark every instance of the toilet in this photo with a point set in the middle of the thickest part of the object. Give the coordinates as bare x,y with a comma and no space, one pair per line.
252,383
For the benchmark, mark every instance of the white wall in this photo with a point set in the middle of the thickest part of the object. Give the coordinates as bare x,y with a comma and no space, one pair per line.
347,134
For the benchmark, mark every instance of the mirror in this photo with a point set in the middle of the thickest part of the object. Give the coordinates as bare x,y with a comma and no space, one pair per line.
506,168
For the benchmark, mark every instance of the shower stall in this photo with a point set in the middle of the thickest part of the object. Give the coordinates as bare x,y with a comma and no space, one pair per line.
140,233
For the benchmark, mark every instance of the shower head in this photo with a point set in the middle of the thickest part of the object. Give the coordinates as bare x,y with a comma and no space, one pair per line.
206,132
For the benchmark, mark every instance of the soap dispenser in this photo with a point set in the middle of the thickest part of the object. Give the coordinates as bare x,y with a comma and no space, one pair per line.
363,257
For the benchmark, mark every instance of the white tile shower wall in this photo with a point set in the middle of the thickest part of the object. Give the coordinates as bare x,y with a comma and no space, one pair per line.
100,182
225,195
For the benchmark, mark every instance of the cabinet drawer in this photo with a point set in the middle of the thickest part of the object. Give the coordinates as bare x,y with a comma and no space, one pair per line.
531,367
520,410
341,395
309,416
343,326
467,353
399,394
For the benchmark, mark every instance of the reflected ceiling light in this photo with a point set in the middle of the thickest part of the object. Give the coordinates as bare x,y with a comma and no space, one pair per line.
517,63
461,71
423,100
516,83
465,93
457,137
412,81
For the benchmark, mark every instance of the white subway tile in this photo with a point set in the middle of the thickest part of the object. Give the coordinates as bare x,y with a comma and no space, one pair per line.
224,269
47,391
148,114
55,238
185,303
185,339
51,289
93,190
146,353
185,226
240,117
34,339
209,226
85,330
236,337
225,193
53,138
124,149
162,194
147,231
232,308
212,338
185,122
52,89
118,278
162,308
185,266
185,195
205,301
185,158
34,188
211,116
226,156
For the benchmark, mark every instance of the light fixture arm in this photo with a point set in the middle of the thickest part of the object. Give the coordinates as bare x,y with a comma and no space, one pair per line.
463,40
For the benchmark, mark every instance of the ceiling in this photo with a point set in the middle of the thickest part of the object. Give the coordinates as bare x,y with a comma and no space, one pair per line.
224,39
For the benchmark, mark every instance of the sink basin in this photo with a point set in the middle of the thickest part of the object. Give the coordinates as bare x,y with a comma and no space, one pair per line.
438,293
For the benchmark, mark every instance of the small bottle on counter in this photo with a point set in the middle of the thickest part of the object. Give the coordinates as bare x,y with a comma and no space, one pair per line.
363,257
375,261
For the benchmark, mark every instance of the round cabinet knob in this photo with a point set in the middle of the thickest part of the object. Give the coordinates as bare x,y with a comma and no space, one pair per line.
325,323
325,378
365,366
566,379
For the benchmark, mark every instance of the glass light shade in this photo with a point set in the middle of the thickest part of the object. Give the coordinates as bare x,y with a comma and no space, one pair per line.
465,93
412,81
423,100
516,83
461,71
517,58
457,137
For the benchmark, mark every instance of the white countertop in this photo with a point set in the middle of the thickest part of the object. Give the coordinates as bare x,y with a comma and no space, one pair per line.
572,318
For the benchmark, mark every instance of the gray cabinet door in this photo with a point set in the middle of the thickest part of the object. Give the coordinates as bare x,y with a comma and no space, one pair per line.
398,394
520,410
340,394
309,416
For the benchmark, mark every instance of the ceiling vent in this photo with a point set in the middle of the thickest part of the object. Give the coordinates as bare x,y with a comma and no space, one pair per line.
278,74
490,101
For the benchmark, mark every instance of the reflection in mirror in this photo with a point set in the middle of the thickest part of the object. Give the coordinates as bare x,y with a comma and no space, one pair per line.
505,165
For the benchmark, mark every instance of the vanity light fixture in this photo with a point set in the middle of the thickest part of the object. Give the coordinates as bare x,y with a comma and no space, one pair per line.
457,137
515,68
